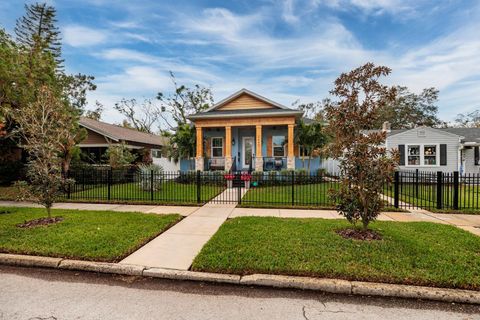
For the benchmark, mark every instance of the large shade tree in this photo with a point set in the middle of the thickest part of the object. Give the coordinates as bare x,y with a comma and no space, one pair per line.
28,68
468,120
176,107
365,164
409,109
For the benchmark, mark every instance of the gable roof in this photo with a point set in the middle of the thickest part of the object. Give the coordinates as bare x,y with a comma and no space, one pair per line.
274,109
468,134
118,133
248,92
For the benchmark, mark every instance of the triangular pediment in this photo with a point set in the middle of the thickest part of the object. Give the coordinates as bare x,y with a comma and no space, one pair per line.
246,100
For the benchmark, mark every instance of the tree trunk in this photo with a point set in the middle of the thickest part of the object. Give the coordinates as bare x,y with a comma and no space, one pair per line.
309,160
303,158
49,212
365,223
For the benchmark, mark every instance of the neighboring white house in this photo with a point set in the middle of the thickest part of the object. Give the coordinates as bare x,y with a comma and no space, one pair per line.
436,149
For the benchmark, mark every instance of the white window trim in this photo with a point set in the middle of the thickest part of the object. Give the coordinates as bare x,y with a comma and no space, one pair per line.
211,146
300,156
155,150
422,155
273,147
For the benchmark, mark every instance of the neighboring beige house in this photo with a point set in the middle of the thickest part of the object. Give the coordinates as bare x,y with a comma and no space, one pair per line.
101,135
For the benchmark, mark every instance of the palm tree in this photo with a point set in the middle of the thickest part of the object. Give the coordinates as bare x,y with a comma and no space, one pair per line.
312,138
182,142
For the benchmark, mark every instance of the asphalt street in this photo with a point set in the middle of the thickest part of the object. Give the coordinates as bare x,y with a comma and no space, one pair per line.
58,295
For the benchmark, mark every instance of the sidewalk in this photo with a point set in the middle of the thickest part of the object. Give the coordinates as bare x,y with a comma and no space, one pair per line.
467,222
178,246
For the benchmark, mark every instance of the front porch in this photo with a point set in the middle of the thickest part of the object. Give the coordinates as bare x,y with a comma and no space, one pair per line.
243,147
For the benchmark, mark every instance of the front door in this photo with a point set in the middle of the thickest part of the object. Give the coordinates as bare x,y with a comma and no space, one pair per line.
248,150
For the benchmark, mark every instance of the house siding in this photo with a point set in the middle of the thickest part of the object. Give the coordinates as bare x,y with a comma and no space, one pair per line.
246,101
468,157
431,136
93,138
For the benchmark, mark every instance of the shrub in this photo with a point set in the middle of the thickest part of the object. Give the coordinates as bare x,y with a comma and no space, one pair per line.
187,177
302,176
150,177
119,155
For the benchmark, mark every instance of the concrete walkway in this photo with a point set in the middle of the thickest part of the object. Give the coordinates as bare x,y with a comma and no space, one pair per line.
178,246
182,210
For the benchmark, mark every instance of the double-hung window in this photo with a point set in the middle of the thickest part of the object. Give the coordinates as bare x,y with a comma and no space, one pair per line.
413,153
430,155
278,147
217,147
423,155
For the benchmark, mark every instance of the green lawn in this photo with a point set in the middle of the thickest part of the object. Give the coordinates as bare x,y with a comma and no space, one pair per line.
171,192
315,194
425,196
87,235
417,253
311,196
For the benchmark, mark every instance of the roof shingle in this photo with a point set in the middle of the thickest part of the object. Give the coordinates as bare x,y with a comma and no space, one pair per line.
121,133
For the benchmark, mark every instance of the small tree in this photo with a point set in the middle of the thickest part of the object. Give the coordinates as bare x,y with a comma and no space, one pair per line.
365,164
42,126
119,155
182,142
312,138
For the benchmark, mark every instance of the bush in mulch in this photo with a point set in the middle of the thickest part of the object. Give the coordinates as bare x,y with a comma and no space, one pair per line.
39,222
359,234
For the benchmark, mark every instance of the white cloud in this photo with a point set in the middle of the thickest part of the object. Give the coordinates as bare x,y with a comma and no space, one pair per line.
243,50
288,12
136,80
80,36
372,6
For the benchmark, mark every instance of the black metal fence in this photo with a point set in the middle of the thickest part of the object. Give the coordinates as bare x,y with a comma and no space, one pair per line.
435,190
408,189
103,184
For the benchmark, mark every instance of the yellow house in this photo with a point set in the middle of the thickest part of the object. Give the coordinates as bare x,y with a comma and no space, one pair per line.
245,131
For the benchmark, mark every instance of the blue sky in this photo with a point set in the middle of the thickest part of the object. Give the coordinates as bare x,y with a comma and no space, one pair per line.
285,50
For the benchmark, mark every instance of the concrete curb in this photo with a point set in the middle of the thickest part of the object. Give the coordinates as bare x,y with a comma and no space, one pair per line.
103,267
191,275
29,261
304,283
277,281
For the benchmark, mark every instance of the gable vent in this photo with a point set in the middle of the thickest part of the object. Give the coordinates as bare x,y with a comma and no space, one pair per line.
421,133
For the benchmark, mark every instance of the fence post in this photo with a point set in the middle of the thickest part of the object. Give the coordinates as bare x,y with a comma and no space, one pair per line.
151,185
239,190
69,184
396,194
199,198
455,190
416,183
109,181
293,188
439,189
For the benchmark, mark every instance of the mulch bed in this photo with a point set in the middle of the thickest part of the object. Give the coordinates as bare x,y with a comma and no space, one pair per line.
39,222
359,234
